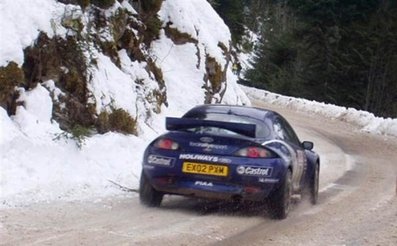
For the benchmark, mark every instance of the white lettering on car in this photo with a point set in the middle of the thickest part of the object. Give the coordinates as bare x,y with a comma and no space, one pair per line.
160,160
203,183
208,145
209,158
254,171
268,180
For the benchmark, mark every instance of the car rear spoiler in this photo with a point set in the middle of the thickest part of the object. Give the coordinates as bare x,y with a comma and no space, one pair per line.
173,124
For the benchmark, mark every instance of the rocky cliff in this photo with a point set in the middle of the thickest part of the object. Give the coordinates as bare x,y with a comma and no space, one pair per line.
110,65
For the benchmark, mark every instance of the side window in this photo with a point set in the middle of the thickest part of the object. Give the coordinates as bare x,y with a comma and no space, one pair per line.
279,129
261,130
291,135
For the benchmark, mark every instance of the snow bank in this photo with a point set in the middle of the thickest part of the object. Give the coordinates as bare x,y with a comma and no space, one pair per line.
365,120
39,162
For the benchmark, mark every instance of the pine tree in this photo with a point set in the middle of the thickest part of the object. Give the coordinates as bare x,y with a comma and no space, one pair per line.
341,52
232,12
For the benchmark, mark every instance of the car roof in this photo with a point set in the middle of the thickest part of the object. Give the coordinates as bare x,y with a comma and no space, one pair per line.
253,112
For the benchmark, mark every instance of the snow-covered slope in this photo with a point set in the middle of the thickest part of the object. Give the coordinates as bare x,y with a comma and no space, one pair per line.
184,65
39,161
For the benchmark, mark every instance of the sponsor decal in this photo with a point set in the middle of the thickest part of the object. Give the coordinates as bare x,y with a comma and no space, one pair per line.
254,171
208,146
160,160
240,170
268,180
204,158
203,183
206,139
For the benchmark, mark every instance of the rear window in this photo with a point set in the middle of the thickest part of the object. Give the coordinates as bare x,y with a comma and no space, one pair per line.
262,131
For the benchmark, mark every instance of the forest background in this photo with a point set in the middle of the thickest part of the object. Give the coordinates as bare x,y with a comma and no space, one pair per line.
342,52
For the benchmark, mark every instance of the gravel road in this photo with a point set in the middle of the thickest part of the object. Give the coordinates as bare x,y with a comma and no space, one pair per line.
357,205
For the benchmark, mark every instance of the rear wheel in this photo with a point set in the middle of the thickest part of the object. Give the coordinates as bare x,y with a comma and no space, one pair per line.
147,194
314,184
280,201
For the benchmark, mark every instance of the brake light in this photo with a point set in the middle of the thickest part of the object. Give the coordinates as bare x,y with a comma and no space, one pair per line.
254,152
166,143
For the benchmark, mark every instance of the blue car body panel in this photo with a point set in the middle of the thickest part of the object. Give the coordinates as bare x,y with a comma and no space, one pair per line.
237,177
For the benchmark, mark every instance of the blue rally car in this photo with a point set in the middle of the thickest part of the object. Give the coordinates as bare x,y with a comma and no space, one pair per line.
230,153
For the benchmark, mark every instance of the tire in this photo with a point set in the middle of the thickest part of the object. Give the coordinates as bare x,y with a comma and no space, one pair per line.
314,184
280,201
147,194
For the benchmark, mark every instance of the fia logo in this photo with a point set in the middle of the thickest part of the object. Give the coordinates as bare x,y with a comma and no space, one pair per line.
203,183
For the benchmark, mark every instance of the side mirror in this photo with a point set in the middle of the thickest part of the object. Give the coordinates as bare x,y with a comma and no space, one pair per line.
307,145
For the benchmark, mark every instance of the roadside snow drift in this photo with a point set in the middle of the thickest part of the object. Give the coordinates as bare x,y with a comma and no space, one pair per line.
366,121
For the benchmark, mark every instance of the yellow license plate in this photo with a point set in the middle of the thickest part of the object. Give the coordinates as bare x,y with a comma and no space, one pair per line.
202,168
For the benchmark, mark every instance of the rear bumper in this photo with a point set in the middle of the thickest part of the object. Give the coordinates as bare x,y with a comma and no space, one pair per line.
204,187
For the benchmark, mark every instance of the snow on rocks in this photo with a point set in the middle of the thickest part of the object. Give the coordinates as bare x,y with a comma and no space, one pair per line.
40,162
20,23
183,65
38,165
198,19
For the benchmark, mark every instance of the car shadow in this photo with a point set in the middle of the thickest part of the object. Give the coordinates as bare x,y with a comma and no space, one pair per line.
211,207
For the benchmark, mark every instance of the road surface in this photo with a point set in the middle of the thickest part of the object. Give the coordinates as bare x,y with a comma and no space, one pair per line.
357,205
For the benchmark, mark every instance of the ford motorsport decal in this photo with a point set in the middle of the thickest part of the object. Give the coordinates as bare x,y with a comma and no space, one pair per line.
208,145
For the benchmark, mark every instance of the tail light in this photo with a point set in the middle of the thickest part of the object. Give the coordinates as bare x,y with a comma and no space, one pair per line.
166,143
254,152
